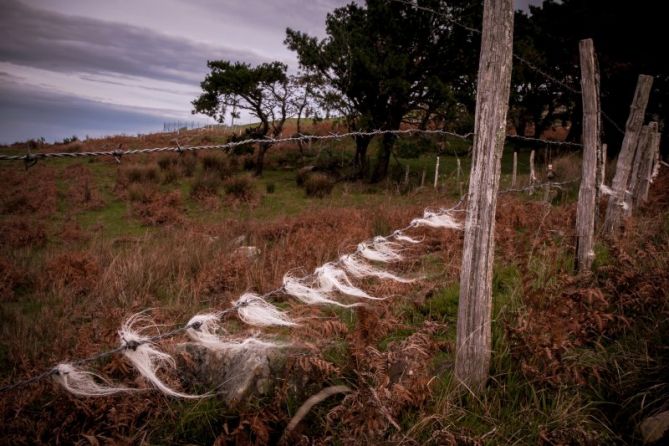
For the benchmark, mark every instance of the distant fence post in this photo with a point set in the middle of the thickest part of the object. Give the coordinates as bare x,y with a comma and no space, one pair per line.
422,179
587,193
515,169
533,173
473,339
618,199
602,165
436,174
406,175
459,175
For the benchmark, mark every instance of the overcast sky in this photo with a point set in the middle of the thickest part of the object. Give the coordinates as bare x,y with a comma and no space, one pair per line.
98,67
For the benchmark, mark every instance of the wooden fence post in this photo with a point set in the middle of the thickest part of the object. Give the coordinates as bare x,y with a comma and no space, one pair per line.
473,340
515,169
618,199
422,179
406,175
639,156
587,193
602,164
533,173
640,192
436,174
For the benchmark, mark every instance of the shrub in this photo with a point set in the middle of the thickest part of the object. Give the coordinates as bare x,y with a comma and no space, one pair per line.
302,175
188,163
240,187
141,173
205,184
138,193
218,163
166,162
318,185
270,187
171,174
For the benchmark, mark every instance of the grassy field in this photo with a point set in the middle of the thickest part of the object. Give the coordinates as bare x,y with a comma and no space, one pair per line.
85,244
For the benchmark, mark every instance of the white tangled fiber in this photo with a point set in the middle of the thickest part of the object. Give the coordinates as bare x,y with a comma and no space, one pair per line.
310,295
203,330
625,205
380,249
605,190
402,237
331,278
254,310
360,268
82,383
146,358
437,220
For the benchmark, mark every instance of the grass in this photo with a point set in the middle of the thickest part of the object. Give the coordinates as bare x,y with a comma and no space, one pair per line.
189,267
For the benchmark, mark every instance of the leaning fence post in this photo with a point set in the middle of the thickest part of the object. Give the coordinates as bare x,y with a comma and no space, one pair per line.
623,166
436,174
473,339
515,169
637,166
587,193
640,192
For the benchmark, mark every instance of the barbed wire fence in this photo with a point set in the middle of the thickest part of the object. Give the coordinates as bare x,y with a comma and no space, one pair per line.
30,159
241,303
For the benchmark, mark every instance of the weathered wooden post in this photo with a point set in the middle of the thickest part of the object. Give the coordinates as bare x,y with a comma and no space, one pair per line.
602,165
514,173
436,174
587,193
459,176
473,340
406,175
640,192
623,166
422,179
533,173
639,156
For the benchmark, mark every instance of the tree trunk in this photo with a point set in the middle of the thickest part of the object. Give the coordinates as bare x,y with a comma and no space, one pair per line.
587,193
260,158
360,160
381,169
614,209
473,342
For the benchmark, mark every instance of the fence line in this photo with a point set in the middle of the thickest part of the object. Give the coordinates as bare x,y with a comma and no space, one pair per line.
240,303
31,158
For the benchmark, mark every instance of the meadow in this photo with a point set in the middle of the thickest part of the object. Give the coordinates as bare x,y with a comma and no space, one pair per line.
86,243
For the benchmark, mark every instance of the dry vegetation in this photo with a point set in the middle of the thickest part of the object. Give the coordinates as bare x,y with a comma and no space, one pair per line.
85,245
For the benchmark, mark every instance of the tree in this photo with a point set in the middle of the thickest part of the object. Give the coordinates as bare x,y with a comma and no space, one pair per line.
264,91
387,59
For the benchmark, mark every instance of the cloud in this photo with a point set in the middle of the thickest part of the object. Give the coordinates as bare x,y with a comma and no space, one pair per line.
31,112
57,42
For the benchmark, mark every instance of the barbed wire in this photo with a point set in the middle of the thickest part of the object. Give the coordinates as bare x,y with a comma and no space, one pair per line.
132,345
118,154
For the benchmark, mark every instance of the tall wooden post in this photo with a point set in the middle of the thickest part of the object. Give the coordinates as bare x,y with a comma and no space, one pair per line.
473,340
533,173
436,174
614,209
514,173
587,194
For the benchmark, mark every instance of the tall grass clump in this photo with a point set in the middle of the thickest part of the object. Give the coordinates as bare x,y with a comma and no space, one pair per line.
240,187
318,185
